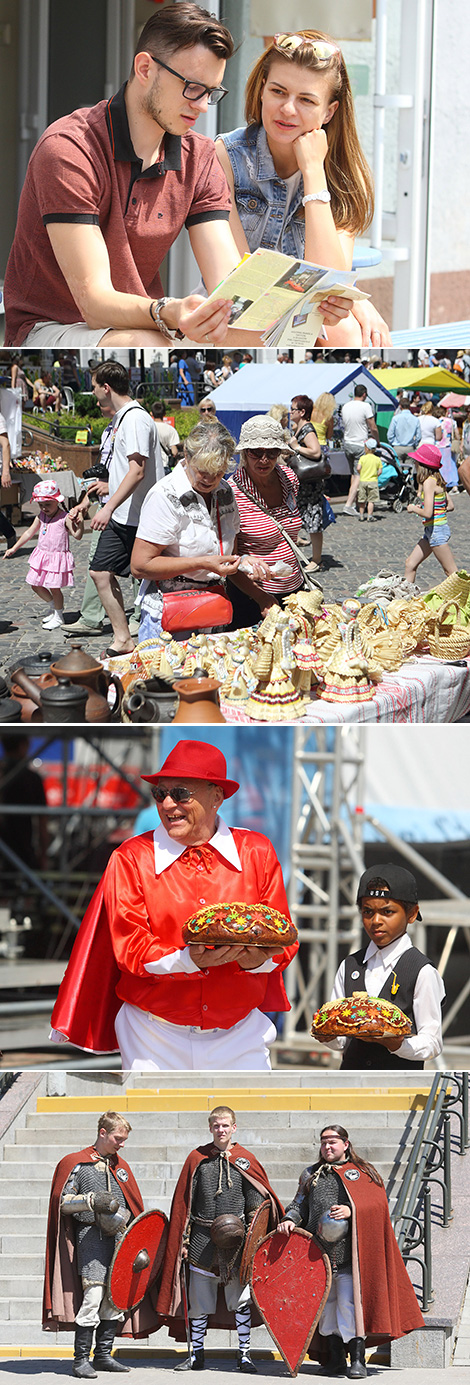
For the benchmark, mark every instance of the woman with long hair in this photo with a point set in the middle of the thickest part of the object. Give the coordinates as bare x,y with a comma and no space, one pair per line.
370,1292
297,173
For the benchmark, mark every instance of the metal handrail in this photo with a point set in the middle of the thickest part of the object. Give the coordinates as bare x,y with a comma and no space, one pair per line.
414,1199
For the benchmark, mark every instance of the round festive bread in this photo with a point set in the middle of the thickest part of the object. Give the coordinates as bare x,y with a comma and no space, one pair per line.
255,924
360,1016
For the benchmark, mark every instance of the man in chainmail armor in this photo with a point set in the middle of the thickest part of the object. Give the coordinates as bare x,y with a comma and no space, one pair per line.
321,1191
93,1202
219,1190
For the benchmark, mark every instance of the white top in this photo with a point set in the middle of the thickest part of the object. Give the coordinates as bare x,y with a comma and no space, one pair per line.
177,518
428,994
355,416
135,434
3,425
167,434
428,426
166,852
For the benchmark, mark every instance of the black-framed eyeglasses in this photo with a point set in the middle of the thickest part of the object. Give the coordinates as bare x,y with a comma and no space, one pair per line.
194,91
178,794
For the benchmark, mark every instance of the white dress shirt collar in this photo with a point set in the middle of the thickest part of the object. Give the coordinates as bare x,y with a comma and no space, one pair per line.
167,851
387,956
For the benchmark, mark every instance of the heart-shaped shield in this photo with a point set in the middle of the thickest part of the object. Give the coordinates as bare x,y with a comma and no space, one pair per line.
137,1260
290,1282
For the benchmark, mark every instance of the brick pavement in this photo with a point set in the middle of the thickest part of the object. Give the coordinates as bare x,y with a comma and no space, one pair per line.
352,551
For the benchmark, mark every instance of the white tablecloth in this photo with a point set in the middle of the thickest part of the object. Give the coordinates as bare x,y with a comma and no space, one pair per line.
69,483
424,691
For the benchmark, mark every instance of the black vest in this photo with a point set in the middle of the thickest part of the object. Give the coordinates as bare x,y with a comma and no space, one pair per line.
359,1054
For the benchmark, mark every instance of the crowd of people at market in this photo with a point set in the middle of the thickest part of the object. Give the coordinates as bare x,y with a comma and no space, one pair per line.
230,520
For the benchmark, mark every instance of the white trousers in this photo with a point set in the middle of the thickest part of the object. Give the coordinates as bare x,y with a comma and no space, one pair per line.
151,1044
203,1293
338,1315
96,1307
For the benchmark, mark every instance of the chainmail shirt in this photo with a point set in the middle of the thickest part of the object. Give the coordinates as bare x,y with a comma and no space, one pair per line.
307,1208
213,1197
95,1249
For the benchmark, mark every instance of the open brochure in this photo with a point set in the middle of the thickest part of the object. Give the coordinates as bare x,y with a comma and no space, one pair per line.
279,296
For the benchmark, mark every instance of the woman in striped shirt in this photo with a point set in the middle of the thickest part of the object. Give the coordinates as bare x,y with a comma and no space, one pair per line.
433,512
261,480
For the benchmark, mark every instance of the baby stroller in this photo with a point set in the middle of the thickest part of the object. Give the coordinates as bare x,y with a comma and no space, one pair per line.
396,481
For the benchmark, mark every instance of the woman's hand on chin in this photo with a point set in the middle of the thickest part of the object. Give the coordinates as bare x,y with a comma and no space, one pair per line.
310,151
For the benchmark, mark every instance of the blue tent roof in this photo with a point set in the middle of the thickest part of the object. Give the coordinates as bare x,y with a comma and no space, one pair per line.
256,387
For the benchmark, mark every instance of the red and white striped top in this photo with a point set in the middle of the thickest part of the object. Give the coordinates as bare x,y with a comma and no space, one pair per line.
260,535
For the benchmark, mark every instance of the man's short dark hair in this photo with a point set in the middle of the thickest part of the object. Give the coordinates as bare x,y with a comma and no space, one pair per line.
114,374
303,402
359,391
158,408
184,25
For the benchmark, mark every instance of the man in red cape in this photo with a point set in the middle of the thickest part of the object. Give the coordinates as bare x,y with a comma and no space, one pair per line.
73,1300
371,1295
131,983
218,1179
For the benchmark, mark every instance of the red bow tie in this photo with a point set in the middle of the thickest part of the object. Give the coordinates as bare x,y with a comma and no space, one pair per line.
198,858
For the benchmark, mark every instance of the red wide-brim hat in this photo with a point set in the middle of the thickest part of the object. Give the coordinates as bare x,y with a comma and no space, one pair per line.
196,760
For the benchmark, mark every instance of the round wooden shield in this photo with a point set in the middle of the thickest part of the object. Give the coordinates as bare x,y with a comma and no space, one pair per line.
137,1260
256,1233
290,1282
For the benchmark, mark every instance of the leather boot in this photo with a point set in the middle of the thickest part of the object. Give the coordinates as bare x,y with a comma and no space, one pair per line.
357,1353
245,1363
102,1359
82,1366
336,1356
195,1362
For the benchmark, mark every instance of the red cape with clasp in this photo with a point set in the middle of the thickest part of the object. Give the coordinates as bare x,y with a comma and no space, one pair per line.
169,1303
63,1292
137,917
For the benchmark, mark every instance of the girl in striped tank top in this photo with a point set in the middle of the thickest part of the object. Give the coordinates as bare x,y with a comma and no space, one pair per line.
433,512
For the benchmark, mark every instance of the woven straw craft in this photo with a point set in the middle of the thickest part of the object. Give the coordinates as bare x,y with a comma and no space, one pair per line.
448,641
456,587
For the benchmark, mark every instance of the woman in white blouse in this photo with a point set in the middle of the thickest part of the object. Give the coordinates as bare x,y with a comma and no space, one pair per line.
431,430
188,525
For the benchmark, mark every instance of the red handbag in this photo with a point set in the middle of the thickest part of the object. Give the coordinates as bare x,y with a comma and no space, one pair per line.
196,609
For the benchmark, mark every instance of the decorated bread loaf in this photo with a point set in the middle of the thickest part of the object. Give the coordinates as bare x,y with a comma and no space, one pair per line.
253,924
360,1016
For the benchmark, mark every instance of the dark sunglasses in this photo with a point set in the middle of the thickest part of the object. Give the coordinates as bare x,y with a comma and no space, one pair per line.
179,794
194,91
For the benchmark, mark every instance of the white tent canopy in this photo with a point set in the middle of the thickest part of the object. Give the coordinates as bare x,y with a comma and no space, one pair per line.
256,387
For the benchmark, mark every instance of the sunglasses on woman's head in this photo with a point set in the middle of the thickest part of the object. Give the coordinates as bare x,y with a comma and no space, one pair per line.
321,49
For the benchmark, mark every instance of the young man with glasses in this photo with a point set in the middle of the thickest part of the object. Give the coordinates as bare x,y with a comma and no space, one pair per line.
107,191
132,983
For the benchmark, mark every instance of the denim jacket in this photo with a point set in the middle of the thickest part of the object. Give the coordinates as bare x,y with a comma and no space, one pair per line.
261,196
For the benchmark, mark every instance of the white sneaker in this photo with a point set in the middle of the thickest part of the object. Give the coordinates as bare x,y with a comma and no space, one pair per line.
350,510
49,613
54,621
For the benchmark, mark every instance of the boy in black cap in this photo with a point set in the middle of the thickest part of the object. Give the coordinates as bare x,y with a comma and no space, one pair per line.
390,967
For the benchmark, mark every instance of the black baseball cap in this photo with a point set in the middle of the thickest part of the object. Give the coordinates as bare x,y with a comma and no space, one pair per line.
401,884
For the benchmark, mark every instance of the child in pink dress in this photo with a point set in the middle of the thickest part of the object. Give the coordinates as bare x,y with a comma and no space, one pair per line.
51,563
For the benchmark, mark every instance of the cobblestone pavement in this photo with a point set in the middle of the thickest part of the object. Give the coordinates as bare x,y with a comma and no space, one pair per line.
352,553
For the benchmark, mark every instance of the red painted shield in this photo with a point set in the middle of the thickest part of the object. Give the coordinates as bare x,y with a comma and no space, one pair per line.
290,1282
137,1260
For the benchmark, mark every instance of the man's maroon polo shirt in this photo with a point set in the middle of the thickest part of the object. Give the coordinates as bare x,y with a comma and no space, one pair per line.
84,169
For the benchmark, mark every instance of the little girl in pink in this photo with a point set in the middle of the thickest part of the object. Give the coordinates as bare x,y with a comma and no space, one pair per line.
51,563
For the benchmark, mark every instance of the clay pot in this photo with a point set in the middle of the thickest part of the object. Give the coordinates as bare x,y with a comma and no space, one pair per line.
60,701
82,669
199,700
154,700
10,709
38,667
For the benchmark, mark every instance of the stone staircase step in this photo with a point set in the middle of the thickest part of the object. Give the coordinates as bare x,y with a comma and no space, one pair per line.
22,1266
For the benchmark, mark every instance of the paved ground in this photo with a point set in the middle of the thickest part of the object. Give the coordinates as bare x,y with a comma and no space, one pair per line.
48,1371
352,553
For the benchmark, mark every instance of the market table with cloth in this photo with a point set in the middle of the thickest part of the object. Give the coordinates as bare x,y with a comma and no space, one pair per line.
424,691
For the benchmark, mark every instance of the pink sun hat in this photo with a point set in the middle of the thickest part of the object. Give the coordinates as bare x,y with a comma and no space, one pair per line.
427,455
47,490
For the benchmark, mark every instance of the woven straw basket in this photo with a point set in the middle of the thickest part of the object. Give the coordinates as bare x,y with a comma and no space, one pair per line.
448,641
